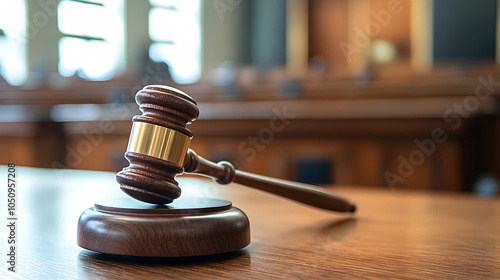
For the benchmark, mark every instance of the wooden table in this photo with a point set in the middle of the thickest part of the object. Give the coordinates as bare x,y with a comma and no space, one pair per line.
394,234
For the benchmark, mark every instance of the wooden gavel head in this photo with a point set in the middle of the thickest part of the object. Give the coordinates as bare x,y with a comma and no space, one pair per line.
158,144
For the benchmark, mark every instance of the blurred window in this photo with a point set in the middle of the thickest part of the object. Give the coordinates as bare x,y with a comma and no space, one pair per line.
174,27
92,45
13,61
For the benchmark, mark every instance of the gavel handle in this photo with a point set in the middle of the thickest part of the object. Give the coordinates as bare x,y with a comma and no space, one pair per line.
224,173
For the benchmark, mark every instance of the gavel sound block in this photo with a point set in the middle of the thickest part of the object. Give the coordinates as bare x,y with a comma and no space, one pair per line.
153,221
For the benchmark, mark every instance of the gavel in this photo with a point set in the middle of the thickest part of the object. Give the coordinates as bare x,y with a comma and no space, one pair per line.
158,150
155,220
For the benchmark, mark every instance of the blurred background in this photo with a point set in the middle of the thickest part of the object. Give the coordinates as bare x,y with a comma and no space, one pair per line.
383,93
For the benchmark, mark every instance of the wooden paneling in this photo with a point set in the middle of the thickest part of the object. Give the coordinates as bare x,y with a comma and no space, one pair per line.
106,154
398,27
361,129
17,149
327,30
341,31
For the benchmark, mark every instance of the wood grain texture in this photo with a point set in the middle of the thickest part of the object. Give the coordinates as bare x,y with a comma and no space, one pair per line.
394,235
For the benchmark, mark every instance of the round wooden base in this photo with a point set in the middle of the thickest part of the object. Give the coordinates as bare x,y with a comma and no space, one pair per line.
186,227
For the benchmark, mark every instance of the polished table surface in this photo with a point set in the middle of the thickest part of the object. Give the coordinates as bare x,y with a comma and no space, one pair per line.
395,234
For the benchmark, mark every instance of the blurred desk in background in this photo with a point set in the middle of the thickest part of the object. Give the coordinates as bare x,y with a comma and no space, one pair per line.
354,132
354,140
400,234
